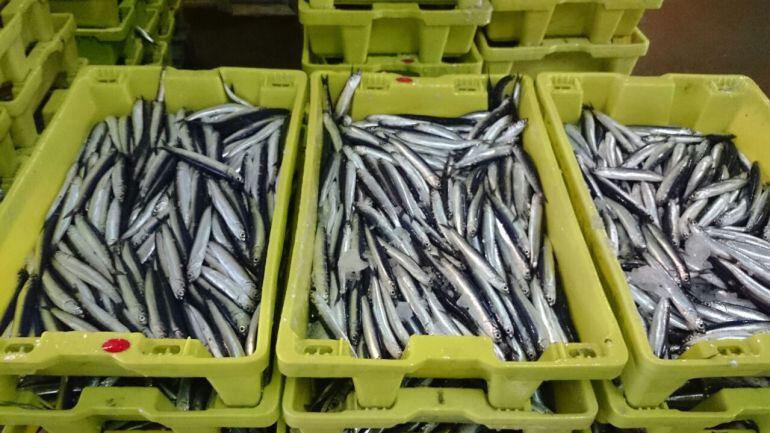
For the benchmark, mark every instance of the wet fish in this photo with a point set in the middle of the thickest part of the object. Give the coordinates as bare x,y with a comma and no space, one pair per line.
453,224
692,211
154,231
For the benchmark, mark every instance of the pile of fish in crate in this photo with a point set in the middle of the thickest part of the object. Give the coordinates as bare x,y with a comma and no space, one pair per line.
152,247
584,251
465,254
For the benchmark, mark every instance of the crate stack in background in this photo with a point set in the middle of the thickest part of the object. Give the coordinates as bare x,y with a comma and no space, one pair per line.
38,56
533,36
110,32
428,38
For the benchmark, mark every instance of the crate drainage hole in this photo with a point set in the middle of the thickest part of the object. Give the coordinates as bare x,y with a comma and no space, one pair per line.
563,83
318,350
19,348
728,84
582,353
167,350
730,351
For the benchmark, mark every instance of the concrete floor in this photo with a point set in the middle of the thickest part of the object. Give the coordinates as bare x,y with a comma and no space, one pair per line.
708,36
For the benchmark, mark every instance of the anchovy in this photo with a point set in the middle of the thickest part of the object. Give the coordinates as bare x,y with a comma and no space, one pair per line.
159,229
443,224
686,212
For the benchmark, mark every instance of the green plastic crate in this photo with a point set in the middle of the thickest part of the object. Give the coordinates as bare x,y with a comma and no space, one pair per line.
575,409
98,405
575,54
35,15
135,55
54,62
601,352
407,64
711,103
26,24
144,7
5,184
90,13
528,22
99,92
150,22
392,28
8,161
55,102
166,25
112,45
157,54
725,406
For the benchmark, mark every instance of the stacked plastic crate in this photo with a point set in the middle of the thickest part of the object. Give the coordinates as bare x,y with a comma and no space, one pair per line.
122,32
470,383
162,32
37,55
106,33
424,38
666,395
533,36
102,380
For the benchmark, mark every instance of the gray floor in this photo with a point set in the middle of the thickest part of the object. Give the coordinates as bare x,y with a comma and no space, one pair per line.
709,36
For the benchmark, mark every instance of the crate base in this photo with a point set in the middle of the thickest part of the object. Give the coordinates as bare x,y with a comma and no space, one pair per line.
407,64
530,23
575,409
157,54
561,55
390,28
89,13
113,45
97,405
725,406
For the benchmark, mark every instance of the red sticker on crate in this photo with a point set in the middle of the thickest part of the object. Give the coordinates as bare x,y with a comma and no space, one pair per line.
116,345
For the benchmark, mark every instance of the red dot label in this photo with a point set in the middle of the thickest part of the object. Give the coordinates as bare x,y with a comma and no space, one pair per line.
404,80
116,345
408,61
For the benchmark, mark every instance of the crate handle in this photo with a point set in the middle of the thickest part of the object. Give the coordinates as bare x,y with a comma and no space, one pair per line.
732,349
749,404
121,349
